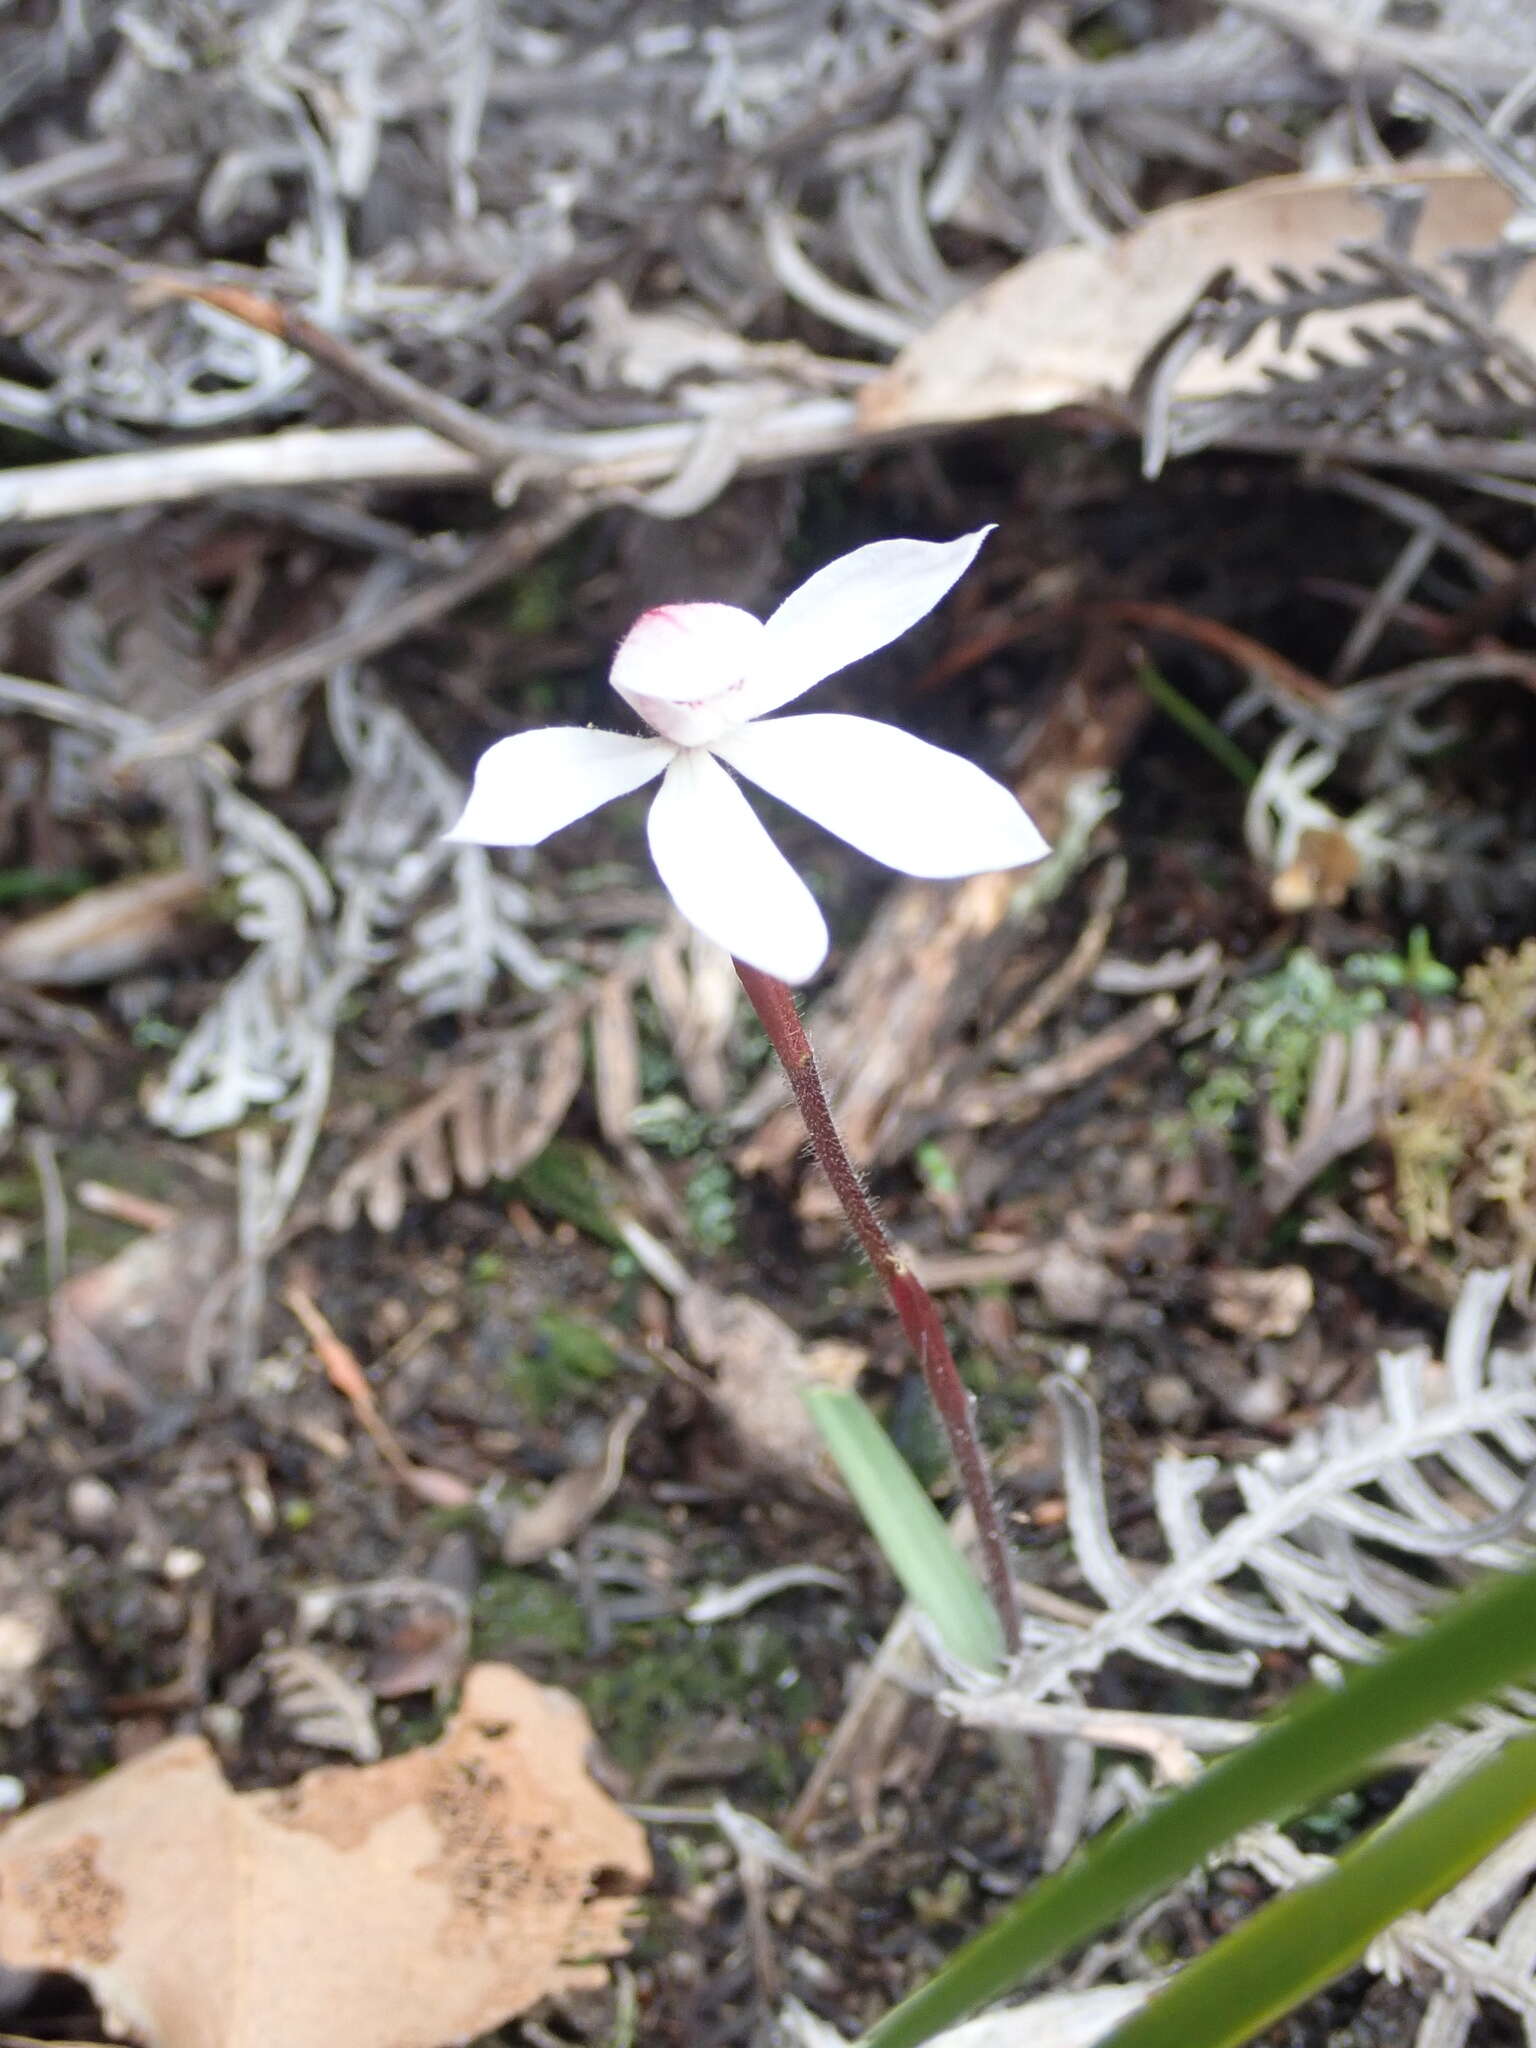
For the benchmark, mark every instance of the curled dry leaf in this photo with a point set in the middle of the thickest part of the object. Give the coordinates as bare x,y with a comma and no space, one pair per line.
576,1498
107,932
1075,325
412,1902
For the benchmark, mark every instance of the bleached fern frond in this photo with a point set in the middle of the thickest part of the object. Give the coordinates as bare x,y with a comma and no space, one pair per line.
1350,1531
256,1042
1392,835
1440,368
323,926
388,852
1357,1079
401,798
458,949
1439,1467
73,308
280,887
321,1705
244,1053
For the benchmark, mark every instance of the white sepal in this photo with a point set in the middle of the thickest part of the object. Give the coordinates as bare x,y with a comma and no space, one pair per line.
916,807
726,875
534,783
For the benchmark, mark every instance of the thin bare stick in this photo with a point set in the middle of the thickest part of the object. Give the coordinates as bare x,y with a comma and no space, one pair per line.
55,1207
510,547
291,458
69,707
914,1305
50,565
489,442
610,459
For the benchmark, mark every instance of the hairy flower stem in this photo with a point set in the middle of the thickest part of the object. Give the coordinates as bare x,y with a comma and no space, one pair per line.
775,1007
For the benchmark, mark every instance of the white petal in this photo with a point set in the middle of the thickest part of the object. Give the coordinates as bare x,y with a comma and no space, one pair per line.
532,784
684,668
726,875
858,603
913,806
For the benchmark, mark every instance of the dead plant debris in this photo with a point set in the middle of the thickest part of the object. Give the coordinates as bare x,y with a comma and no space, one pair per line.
407,1260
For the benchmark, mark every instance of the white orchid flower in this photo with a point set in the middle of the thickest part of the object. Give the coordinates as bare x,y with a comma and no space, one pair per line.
703,676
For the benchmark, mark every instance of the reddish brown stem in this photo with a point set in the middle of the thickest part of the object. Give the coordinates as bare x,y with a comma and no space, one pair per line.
775,1007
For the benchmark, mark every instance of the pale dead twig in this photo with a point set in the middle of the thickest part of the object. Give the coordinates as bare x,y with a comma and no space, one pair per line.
1087,950
49,565
485,439
55,1206
123,1205
1118,976
295,458
69,707
346,1375
1174,1742
1024,1095
23,188
613,459
945,1272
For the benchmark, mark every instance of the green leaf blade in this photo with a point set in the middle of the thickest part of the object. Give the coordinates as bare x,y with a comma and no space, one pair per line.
909,1529
1301,1941
1472,1649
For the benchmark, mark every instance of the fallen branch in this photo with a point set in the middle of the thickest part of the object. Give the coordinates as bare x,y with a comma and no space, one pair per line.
620,458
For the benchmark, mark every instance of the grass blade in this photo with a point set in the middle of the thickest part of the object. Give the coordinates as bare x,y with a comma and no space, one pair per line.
1326,1740
909,1529
1299,1942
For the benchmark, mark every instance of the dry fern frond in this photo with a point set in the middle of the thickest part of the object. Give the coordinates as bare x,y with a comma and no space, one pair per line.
1352,1530
488,1119
320,1705
1443,369
388,853
1439,1467
1357,1079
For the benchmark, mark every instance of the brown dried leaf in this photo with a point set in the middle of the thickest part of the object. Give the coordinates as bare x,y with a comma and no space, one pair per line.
425,1652
115,930
1326,868
119,1331
1261,1301
424,1899
1074,325
487,1119
761,1369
